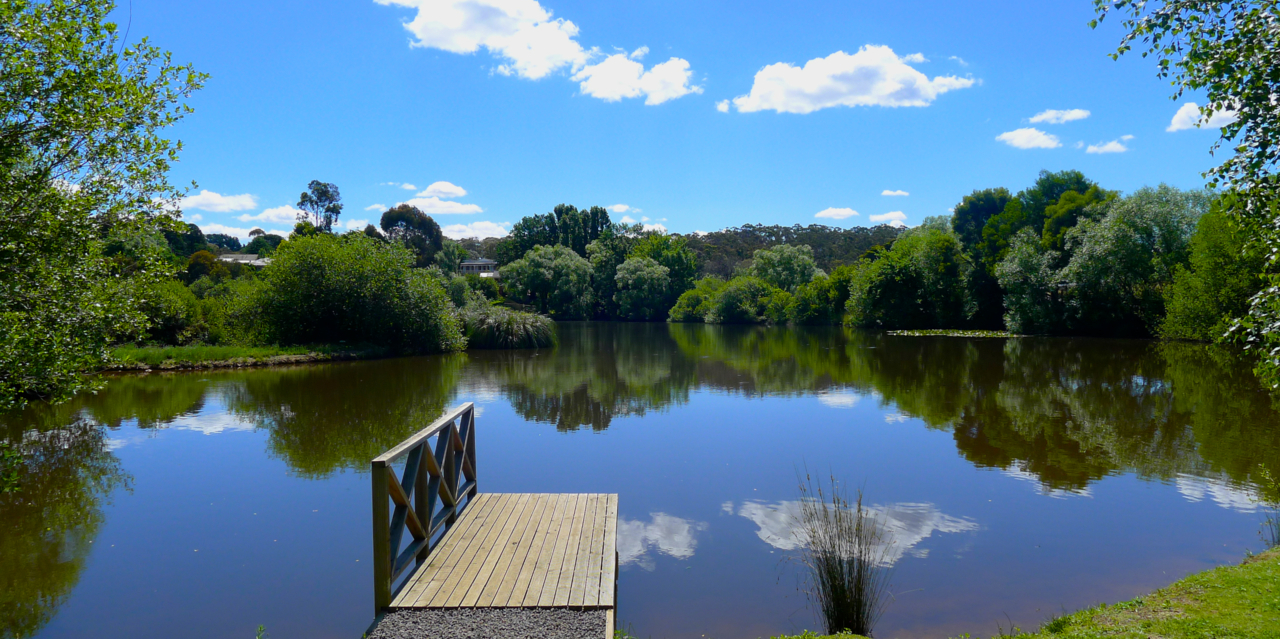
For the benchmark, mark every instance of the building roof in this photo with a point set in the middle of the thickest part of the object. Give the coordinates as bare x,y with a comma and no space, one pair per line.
483,260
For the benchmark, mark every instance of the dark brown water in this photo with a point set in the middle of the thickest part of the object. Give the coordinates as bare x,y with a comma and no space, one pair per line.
1019,477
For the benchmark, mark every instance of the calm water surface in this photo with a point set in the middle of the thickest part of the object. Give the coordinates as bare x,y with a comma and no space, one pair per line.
1019,477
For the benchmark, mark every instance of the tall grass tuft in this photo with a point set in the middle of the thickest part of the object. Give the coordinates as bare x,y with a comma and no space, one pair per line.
498,327
846,552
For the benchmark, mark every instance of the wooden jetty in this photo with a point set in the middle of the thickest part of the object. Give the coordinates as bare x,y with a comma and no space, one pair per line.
484,550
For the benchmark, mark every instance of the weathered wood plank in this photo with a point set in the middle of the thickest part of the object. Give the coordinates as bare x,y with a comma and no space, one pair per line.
570,591
563,550
609,578
495,545
463,573
595,560
526,555
513,553
451,549
533,588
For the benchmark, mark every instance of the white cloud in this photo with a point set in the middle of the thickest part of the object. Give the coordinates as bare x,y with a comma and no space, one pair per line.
914,58
1079,145
355,225
521,33
874,76
655,227
1189,117
622,208
195,218
1114,146
443,190
831,213
430,205
627,219
218,203
888,193
958,60
376,207
408,187
1221,490
475,229
278,214
619,76
1029,138
890,217
243,234
1055,116
839,399
722,106
639,53
671,536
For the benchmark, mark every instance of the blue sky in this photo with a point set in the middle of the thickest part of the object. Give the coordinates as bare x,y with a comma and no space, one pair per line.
695,115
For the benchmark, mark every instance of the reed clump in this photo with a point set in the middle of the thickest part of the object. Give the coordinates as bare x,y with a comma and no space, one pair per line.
499,327
846,552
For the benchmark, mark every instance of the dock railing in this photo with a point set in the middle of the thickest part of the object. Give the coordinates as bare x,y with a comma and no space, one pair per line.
428,497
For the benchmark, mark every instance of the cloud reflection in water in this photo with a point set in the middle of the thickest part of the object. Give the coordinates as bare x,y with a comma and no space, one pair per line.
672,536
906,525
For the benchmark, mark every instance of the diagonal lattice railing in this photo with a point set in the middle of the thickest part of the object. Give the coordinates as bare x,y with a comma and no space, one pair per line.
438,482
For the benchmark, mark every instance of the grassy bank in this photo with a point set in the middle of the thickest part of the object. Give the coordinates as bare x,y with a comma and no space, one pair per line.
181,357
1231,601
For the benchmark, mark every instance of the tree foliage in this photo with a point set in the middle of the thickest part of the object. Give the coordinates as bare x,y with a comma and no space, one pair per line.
321,205
565,226
1214,288
643,289
415,230
82,163
554,278
694,304
450,256
720,252
785,266
915,284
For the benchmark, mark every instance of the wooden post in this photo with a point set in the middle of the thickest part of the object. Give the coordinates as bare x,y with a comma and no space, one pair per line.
422,502
381,539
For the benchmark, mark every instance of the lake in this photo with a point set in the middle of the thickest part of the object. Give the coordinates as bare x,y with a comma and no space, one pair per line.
1019,477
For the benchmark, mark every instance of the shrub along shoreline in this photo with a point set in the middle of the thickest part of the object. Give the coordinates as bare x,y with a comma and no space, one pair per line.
1240,600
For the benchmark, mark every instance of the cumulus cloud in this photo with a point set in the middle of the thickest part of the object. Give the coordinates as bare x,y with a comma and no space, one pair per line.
376,207
627,219
722,106
443,190
1189,117
874,76
892,218
1114,146
283,214
354,225
839,399
914,58
622,208
958,60
1029,138
437,206
619,76
1055,116
831,213
531,44
475,229
242,233
218,203
899,193
521,33
195,218
655,227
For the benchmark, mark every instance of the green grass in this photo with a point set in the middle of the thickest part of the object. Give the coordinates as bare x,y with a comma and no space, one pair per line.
136,356
1230,602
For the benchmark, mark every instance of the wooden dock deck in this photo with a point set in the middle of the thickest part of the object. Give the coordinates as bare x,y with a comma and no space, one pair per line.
475,550
522,551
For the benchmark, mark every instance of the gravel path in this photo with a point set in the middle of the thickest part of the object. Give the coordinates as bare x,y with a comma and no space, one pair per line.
489,623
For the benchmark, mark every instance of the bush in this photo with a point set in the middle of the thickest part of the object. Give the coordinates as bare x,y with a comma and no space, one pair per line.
695,303
917,284
500,327
355,289
819,302
642,289
743,300
486,286
1215,288
173,314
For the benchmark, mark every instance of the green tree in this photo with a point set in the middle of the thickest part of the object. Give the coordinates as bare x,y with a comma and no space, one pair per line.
673,253
1227,49
785,266
1028,274
82,164
263,245
644,288
1067,211
747,300
1207,295
204,264
415,230
185,239
555,278
606,253
321,204
968,222
915,284
1027,210
450,256
565,225
221,240
694,304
